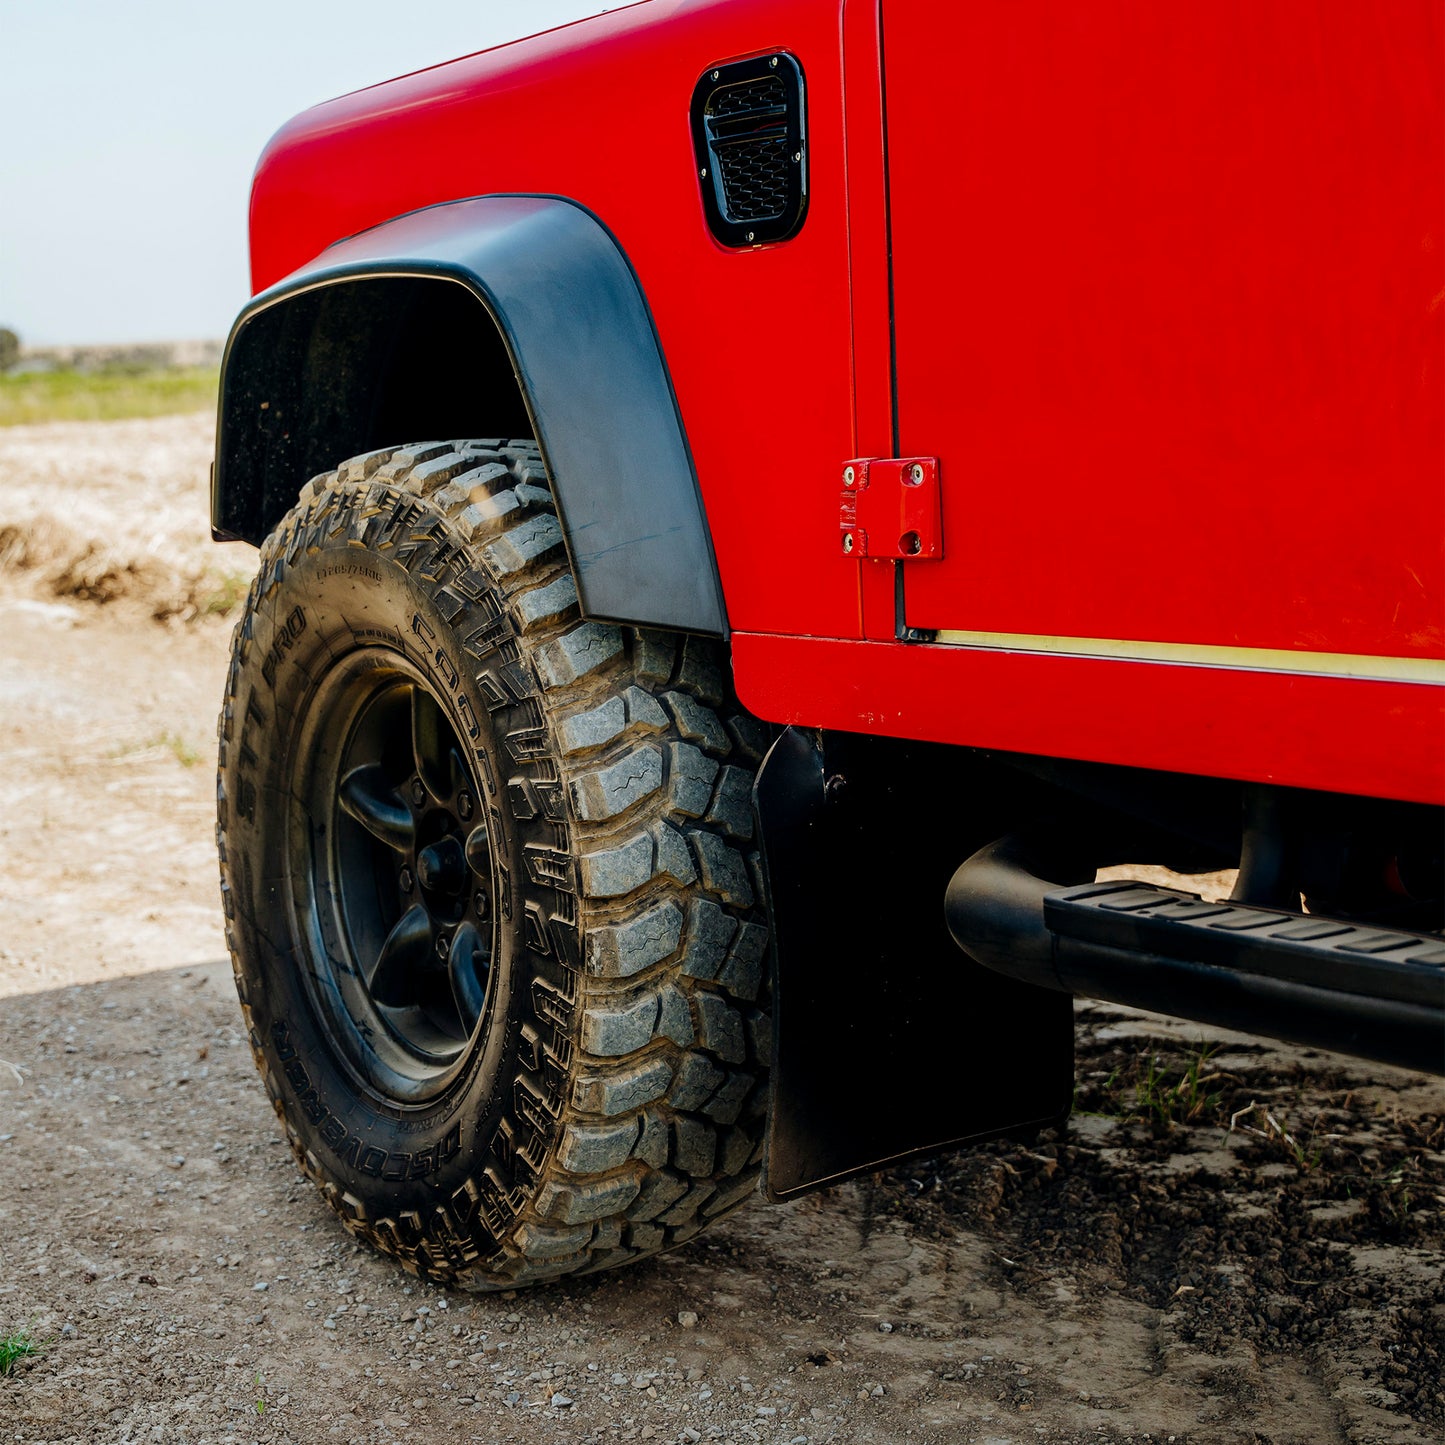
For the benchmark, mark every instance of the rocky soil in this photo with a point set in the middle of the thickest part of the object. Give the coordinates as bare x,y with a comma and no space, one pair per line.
1232,1242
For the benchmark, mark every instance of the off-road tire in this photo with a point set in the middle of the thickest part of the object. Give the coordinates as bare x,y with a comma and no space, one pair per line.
611,1101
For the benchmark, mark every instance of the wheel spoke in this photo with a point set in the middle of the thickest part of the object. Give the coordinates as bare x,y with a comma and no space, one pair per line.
366,796
467,965
403,957
431,745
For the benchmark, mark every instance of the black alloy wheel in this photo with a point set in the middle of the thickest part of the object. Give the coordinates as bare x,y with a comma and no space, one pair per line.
392,875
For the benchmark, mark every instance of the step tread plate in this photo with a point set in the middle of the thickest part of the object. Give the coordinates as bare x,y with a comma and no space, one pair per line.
1328,953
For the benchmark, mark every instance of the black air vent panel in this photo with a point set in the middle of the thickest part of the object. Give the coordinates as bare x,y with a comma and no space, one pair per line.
749,137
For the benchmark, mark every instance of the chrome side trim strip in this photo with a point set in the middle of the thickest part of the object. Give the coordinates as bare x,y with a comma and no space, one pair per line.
1358,666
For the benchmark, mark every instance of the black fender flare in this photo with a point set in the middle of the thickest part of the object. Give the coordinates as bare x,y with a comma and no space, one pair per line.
583,350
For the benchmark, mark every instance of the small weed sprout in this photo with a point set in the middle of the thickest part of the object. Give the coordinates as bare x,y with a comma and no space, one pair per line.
222,594
1304,1156
1185,1100
16,1346
182,751
1160,1099
1396,1195
260,1397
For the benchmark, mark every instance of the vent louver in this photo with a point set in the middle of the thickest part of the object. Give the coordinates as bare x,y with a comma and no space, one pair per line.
749,137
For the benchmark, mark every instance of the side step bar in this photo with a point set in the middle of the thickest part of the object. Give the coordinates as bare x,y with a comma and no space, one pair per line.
1376,993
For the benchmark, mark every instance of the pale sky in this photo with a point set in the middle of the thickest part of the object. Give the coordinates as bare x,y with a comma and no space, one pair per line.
132,130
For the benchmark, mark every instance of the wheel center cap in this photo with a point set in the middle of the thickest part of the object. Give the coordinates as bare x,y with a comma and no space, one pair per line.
442,868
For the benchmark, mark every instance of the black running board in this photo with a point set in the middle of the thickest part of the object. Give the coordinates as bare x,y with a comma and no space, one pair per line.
1352,988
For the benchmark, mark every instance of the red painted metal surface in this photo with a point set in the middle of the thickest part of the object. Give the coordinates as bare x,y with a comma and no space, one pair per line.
1307,732
1168,287
757,341
1169,310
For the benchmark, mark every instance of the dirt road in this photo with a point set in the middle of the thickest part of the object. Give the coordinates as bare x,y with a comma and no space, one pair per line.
1129,1280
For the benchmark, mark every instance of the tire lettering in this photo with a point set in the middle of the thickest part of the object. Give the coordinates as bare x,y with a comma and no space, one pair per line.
286,638
351,1149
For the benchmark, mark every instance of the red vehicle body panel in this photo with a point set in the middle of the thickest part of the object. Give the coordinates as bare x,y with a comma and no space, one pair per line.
1191,385
1166,302
757,341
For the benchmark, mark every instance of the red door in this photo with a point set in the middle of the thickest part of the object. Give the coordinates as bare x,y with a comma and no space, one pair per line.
1168,288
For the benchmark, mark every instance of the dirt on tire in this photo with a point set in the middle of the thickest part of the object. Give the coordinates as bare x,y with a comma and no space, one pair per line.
621,1068
1231,1242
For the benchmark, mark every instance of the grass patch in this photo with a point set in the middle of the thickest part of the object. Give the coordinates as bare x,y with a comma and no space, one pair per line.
110,394
173,743
1260,1121
180,749
16,1346
222,593
1146,1092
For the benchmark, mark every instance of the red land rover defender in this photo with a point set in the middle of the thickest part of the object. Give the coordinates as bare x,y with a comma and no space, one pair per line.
760,500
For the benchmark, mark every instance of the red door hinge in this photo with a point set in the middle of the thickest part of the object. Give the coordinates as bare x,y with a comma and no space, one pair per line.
892,509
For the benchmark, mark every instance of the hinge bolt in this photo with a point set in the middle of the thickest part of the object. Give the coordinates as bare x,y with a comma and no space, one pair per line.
915,474
848,476
848,542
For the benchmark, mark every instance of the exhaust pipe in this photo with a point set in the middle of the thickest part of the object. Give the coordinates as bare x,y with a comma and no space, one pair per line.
1021,909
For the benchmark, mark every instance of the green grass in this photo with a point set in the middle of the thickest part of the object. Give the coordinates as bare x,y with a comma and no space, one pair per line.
1263,1123
225,592
180,749
16,1346
107,395
173,743
1146,1092
1184,1100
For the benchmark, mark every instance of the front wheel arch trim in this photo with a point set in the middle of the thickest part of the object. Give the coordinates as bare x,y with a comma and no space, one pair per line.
335,358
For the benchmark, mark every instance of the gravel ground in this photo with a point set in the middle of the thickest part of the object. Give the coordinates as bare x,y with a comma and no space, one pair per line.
1125,1280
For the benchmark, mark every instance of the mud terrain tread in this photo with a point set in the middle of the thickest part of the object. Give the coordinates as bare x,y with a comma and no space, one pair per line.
666,1087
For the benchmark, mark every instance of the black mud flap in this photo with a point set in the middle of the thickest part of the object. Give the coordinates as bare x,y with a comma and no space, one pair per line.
888,1040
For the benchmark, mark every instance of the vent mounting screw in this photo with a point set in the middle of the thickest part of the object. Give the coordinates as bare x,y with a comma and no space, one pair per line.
750,235
703,173
774,62
716,73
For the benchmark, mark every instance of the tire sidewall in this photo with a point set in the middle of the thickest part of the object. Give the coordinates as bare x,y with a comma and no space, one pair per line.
464,1150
